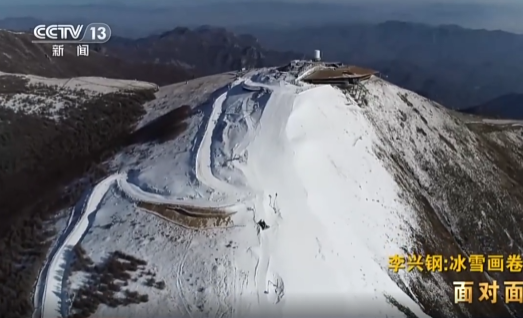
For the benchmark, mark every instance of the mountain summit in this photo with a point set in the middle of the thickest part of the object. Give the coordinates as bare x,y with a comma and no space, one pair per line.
272,196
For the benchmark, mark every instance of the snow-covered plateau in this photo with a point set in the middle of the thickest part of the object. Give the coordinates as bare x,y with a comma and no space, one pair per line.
283,198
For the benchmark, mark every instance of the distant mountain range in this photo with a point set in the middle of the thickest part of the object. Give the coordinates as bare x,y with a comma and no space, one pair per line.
19,24
171,57
472,70
19,55
506,106
204,50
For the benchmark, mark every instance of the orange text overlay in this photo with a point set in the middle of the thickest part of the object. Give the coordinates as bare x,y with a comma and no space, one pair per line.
473,263
463,292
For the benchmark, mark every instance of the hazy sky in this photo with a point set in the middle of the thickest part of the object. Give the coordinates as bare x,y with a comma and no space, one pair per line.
489,14
174,2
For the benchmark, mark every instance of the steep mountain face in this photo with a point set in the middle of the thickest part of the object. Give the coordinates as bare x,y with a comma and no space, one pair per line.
20,55
455,66
463,176
204,50
507,106
259,194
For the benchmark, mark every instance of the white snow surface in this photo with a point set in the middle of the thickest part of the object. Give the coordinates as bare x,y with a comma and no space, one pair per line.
300,158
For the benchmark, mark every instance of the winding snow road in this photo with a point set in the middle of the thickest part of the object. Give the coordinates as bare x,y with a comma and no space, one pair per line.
53,296
203,156
52,300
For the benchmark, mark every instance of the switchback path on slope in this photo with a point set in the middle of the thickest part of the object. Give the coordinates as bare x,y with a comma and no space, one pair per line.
51,299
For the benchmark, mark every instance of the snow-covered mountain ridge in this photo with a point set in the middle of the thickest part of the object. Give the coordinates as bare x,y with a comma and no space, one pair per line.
32,94
339,186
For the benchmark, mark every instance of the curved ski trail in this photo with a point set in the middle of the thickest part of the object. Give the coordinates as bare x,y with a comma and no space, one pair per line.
53,301
203,157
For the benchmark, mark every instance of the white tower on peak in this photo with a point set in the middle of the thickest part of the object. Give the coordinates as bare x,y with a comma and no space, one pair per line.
317,55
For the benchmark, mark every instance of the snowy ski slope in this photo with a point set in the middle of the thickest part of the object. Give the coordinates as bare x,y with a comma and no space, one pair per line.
299,157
